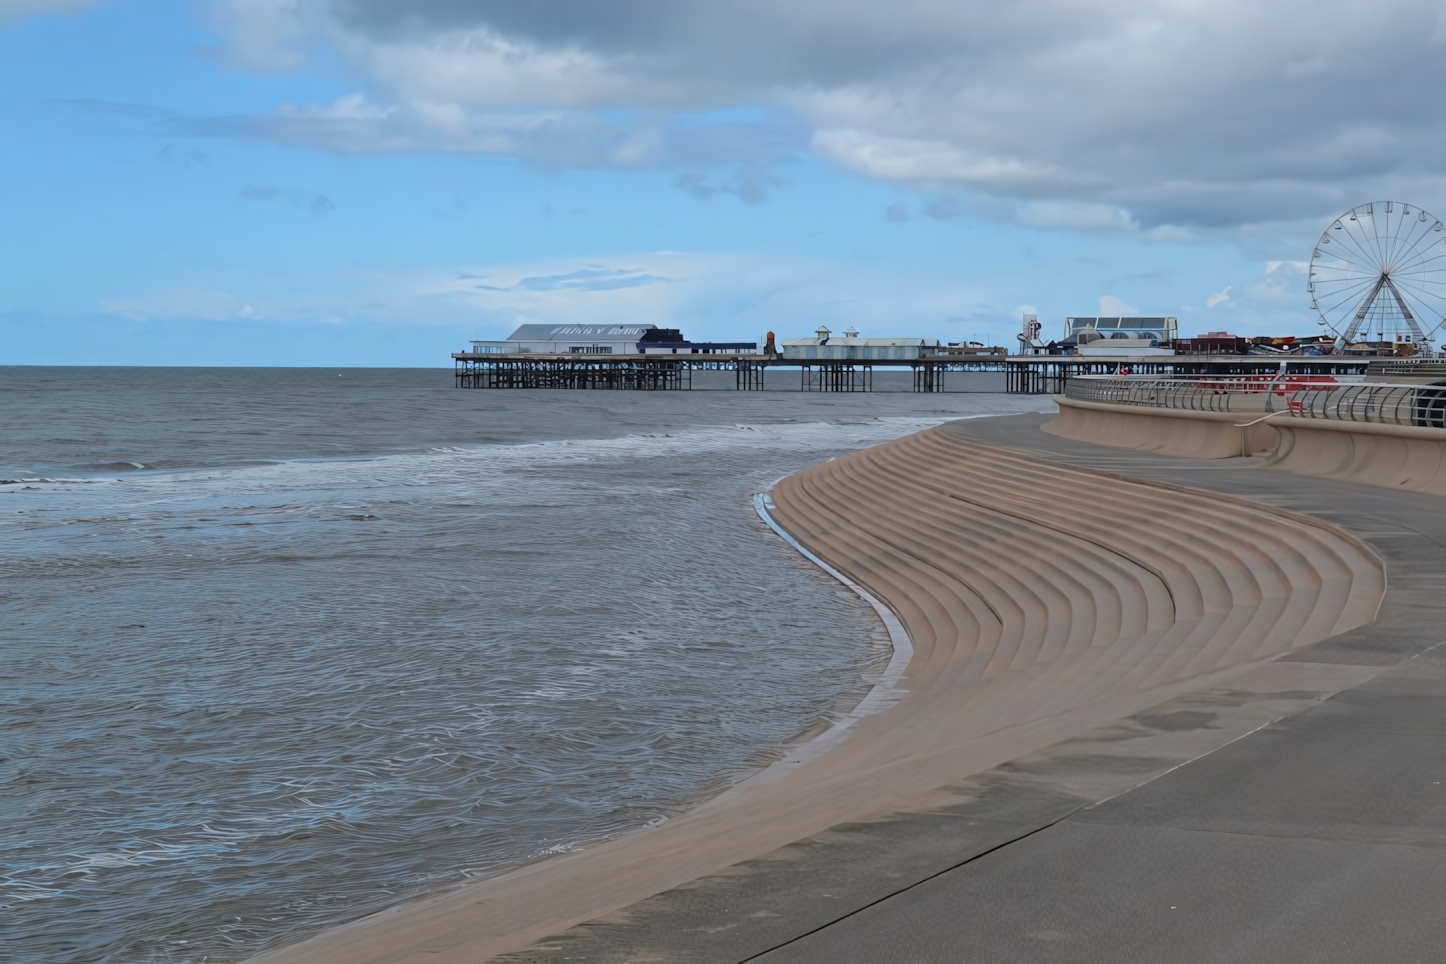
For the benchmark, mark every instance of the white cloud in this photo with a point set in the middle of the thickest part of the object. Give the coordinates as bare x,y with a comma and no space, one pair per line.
1112,307
1156,117
351,107
1077,215
658,287
1282,283
480,67
708,295
903,159
264,34
201,304
1272,302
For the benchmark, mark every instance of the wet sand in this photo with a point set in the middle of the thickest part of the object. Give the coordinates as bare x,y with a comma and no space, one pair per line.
1040,600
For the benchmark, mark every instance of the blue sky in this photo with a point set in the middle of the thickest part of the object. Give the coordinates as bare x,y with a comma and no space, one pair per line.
334,182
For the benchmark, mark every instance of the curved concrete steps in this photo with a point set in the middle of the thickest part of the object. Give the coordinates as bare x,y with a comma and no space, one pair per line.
1040,600
1030,589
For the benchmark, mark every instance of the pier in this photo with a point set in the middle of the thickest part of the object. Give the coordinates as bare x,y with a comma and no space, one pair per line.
1021,374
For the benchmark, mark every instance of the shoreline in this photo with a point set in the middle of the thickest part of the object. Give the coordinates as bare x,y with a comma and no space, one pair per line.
884,693
982,692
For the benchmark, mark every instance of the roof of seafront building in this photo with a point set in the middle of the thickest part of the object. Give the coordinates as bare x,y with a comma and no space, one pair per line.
1127,322
537,332
856,342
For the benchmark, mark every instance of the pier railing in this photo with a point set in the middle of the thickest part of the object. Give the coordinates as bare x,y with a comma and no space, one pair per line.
1291,396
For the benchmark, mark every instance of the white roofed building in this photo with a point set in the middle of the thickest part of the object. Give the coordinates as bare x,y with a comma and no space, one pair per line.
824,346
567,340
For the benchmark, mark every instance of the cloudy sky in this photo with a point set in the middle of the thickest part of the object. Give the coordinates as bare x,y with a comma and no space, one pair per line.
377,181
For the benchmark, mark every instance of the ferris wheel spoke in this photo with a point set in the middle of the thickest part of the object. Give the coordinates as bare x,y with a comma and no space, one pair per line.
1422,310
1424,294
1426,272
1388,242
1431,291
1363,241
1372,263
1376,233
1421,314
1335,290
1414,238
1341,284
1343,254
1382,227
1403,248
1423,254
1433,303
1353,296
1337,311
1393,244
1360,311
1332,273
1342,295
1351,273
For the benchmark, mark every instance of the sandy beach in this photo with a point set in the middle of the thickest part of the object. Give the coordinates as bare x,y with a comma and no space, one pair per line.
1039,600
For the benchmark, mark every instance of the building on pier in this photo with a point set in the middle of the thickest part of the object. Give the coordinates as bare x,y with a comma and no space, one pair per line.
850,347
534,339
1081,331
670,341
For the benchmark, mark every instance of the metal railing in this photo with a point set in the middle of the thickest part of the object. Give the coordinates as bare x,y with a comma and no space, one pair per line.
1416,367
1291,396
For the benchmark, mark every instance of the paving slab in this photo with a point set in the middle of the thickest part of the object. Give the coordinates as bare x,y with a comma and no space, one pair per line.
1319,838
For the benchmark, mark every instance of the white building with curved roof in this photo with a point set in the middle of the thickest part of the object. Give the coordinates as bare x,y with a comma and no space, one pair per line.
567,340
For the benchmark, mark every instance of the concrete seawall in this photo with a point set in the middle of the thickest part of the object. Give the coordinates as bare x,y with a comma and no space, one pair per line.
1394,456
1196,435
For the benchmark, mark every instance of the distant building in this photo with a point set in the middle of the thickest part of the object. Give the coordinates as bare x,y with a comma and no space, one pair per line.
670,341
1158,329
824,346
1213,343
606,340
568,340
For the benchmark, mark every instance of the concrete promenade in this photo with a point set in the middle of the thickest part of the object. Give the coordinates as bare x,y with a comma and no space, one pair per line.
1296,811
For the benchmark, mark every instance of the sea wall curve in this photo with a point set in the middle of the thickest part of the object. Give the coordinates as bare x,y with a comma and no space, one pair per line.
1391,456
1188,434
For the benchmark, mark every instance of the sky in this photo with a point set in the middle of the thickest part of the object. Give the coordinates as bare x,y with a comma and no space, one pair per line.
376,182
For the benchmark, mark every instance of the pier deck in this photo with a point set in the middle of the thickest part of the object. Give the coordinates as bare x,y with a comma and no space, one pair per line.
1023,374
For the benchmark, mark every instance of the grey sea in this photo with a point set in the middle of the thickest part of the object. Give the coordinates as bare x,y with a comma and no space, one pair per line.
282,647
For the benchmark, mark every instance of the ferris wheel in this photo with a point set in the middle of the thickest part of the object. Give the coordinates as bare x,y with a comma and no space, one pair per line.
1379,274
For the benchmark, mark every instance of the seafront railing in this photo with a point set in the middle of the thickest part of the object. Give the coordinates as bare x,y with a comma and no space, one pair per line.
1289,396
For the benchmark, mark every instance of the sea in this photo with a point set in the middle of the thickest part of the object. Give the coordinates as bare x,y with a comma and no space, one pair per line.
280,648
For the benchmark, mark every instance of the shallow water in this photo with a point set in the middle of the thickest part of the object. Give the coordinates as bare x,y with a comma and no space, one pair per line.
344,640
